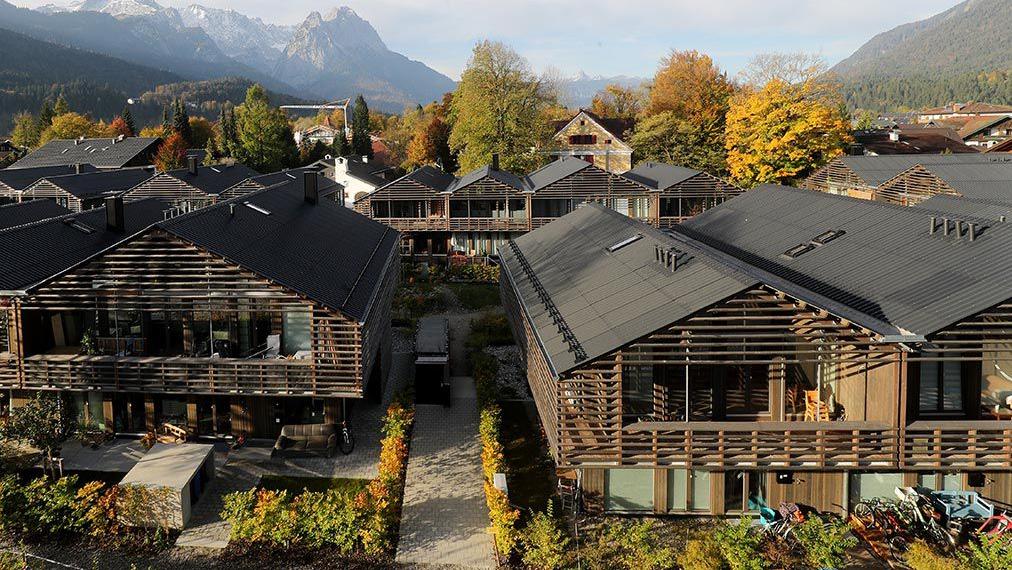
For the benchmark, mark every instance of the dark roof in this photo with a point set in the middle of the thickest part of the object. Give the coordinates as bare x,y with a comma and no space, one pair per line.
885,272
991,181
36,252
432,177
660,176
911,142
199,153
325,251
101,182
608,298
877,169
366,171
555,171
617,127
957,206
502,176
215,179
21,178
968,108
13,215
326,185
102,153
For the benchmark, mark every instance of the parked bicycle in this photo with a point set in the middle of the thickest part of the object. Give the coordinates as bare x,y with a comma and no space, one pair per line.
347,442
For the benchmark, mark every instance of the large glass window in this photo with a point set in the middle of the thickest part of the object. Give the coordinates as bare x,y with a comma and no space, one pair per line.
637,392
747,389
688,491
296,334
629,490
873,485
941,385
744,491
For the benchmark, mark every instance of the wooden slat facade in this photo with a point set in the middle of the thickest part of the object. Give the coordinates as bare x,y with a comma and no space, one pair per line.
838,178
46,189
912,186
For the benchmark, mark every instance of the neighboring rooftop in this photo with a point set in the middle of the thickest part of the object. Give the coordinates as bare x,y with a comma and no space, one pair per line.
101,153
913,141
991,181
101,182
324,251
971,108
957,206
488,171
17,179
13,215
366,170
659,176
875,170
555,171
214,179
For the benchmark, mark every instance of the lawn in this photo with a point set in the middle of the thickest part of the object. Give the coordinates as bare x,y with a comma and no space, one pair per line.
296,485
476,296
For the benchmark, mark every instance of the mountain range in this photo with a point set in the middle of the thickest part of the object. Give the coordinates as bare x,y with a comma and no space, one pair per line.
961,54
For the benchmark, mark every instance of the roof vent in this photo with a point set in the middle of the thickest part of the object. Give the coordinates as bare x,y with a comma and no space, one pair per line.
311,187
668,257
625,242
826,237
191,165
256,208
495,161
79,226
798,250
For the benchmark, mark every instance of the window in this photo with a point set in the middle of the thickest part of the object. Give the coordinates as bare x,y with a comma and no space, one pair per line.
637,392
940,482
625,242
747,389
688,491
826,237
629,490
744,491
941,385
582,139
873,485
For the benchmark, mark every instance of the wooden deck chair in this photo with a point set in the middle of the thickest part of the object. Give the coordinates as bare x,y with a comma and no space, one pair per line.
815,409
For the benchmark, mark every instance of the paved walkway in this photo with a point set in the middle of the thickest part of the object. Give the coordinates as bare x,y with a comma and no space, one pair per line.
206,529
444,519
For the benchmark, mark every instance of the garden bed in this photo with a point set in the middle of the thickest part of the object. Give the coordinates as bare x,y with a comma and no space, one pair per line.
296,485
476,296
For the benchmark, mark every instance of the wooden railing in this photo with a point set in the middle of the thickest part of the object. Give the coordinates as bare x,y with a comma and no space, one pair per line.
186,375
416,224
957,444
489,224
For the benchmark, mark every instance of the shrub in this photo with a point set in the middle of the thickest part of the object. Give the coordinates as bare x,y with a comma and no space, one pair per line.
740,547
824,543
41,508
475,272
921,556
545,544
701,554
633,545
490,329
988,553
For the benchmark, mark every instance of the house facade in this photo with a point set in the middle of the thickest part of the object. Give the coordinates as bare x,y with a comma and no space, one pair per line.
197,185
85,191
104,153
215,321
475,215
748,357
596,140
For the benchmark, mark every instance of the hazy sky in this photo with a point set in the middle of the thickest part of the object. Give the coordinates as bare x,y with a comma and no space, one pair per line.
606,37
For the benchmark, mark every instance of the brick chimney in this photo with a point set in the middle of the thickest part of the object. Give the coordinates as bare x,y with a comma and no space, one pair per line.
114,220
311,187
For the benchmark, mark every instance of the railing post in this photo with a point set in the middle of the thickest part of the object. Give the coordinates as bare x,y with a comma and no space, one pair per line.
788,455
971,448
820,441
937,437
855,445
720,448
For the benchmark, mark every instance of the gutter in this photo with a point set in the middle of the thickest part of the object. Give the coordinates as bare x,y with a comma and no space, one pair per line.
537,336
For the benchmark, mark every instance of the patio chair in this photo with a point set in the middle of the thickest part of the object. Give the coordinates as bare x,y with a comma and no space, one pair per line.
815,409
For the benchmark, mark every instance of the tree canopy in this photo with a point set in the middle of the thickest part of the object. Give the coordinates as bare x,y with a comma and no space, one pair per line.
361,141
618,102
264,139
499,107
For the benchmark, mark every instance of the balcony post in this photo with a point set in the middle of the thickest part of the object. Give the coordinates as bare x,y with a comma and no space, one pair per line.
971,448
937,439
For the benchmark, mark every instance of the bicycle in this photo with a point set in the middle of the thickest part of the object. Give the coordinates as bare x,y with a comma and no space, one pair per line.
925,518
347,441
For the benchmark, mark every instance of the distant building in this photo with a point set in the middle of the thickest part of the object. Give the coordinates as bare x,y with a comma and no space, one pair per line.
106,153
955,110
986,132
359,175
908,139
596,140
325,133
197,186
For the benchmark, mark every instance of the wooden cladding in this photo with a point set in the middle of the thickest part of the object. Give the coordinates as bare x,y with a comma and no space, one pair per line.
836,178
947,445
912,187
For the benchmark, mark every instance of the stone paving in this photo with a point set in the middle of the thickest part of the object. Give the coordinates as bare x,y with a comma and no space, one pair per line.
444,520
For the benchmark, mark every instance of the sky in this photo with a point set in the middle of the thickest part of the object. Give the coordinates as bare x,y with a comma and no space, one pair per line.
605,37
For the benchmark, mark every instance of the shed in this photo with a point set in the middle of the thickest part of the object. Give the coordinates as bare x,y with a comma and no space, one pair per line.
182,471
432,361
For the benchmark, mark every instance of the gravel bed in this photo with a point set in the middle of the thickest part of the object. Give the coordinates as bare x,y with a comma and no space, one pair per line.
510,378
402,340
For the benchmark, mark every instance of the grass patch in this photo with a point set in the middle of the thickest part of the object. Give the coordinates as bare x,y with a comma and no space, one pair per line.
297,485
476,296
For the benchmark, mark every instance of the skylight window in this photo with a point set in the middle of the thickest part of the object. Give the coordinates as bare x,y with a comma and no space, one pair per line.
798,250
826,237
625,242
256,208
79,226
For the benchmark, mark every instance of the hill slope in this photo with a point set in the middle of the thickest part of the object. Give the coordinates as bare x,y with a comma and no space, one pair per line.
964,53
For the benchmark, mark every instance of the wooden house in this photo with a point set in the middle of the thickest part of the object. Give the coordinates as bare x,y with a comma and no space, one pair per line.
596,140
272,308
991,181
85,191
197,186
860,176
105,153
987,132
14,181
786,345
678,193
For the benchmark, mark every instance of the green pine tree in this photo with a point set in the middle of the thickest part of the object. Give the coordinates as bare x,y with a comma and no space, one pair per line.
61,107
181,121
264,138
46,115
166,121
340,147
361,143
128,118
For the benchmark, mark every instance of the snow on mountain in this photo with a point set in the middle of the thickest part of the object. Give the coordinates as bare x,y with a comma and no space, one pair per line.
118,8
248,40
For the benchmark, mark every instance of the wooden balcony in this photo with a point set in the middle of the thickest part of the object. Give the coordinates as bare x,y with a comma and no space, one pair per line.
944,445
431,224
764,445
186,375
488,224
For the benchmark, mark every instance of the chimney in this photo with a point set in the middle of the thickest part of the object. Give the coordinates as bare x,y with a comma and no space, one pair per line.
894,135
365,158
341,165
114,221
77,169
191,164
495,161
311,184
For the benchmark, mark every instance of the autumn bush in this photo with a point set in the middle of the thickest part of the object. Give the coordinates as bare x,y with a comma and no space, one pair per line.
361,521
546,544
483,273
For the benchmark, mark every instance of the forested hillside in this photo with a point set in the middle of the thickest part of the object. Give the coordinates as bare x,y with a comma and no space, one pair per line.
962,54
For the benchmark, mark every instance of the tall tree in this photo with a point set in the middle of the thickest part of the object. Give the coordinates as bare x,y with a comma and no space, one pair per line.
361,142
166,121
69,126
26,131
340,147
226,125
61,107
684,119
782,132
618,102
46,115
499,107
181,121
172,153
128,118
119,127
265,141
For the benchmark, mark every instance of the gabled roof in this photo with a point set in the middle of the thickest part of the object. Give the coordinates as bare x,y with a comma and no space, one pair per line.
366,171
886,267
101,182
431,177
659,176
920,141
875,170
615,127
12,215
20,178
555,171
972,107
215,179
324,251
974,126
326,185
991,181
487,171
1002,147
102,153
957,206
36,252
608,298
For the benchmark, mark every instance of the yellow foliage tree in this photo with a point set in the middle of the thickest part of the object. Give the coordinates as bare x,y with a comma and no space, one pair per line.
691,86
70,126
782,131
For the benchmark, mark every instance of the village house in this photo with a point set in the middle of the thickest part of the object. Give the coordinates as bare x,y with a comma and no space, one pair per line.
596,140
105,153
